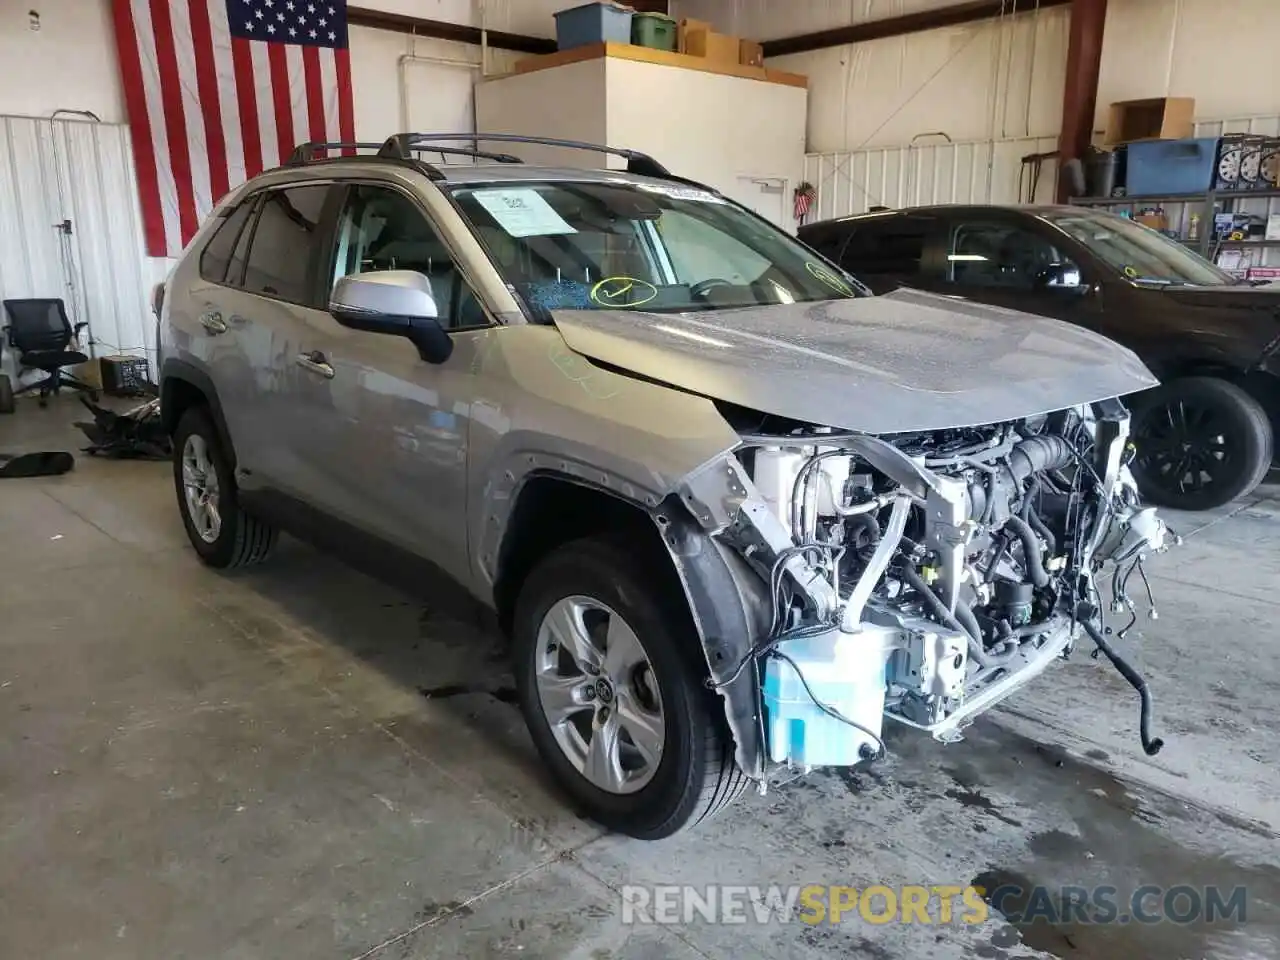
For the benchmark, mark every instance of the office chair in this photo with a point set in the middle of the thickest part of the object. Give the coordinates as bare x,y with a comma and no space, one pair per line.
40,334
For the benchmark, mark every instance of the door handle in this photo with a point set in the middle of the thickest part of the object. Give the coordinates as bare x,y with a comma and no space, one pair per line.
213,322
315,363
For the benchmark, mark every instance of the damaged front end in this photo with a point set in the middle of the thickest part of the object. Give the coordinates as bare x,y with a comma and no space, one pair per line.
923,576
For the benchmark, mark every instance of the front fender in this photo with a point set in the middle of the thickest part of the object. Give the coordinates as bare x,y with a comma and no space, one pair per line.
730,608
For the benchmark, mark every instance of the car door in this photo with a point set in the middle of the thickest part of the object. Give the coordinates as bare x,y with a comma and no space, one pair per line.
887,252
395,426
1011,262
287,243
217,328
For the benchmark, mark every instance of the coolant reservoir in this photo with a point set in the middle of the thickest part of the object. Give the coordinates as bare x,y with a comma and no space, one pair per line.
846,671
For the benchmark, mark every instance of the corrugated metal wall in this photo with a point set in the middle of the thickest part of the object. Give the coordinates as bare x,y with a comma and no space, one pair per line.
930,171
935,171
52,171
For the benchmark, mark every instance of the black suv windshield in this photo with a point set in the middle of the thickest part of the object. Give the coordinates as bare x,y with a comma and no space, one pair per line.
640,246
1137,252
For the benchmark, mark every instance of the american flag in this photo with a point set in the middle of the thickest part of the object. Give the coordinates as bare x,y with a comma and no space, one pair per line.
219,90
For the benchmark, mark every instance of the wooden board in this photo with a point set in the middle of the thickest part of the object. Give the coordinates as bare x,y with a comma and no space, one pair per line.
627,51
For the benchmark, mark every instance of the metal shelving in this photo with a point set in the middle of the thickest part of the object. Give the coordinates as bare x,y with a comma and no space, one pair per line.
1208,201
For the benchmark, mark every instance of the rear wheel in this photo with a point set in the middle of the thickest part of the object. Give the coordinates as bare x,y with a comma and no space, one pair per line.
612,691
1201,443
221,533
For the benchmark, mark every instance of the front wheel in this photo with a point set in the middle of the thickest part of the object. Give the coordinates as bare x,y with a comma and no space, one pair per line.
1201,443
607,667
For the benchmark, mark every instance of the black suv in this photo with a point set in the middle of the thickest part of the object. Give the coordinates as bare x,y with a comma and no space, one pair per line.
1205,436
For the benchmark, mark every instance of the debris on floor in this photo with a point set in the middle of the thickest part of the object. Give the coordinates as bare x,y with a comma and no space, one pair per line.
136,434
40,464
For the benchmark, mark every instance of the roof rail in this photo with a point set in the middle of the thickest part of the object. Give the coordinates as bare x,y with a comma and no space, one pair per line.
467,152
401,145
306,152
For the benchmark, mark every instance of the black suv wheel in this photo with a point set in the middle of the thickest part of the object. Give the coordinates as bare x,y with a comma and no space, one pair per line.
1201,443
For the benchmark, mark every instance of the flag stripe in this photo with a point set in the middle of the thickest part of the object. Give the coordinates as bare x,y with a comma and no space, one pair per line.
247,97
331,93
346,110
228,95
314,85
144,158
297,97
210,103
174,118
159,131
266,115
193,120
281,97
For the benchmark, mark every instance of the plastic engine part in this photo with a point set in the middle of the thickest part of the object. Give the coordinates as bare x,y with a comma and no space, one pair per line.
846,671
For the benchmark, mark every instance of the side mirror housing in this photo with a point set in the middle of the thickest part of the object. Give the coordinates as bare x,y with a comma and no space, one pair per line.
397,302
1062,276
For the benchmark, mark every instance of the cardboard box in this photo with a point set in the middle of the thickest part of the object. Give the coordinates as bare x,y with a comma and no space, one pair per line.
1162,118
716,47
686,27
750,54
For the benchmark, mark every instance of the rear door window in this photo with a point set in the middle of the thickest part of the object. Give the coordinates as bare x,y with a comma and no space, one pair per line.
289,244
891,247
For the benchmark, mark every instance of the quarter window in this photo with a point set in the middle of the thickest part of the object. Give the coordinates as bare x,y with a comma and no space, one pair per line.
218,251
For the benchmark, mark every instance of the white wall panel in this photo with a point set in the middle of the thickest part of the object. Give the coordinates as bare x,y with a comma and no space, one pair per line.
51,171
995,79
929,172
401,82
1222,52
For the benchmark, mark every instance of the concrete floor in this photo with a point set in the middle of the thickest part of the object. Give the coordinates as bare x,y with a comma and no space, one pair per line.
207,765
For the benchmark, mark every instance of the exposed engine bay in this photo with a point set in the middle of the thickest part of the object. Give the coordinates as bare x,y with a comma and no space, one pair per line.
924,577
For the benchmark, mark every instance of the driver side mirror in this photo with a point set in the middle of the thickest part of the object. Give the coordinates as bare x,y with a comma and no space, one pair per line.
398,302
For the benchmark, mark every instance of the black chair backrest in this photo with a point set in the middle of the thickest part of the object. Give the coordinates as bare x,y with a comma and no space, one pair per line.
38,324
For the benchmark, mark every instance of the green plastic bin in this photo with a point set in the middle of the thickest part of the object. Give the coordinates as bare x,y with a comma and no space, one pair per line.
653,30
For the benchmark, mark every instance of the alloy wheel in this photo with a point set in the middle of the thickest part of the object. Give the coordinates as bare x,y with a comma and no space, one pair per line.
598,693
200,488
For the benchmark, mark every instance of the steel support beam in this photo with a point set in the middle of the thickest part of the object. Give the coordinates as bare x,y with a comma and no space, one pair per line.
442,30
957,14
1080,91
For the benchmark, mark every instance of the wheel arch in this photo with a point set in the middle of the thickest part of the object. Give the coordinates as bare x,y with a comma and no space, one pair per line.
1262,385
184,385
725,600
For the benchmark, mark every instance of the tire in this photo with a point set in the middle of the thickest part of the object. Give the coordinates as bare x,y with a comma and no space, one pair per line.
696,776
6,394
240,540
1189,427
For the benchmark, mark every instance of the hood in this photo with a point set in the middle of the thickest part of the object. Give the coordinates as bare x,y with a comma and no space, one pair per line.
1239,297
897,363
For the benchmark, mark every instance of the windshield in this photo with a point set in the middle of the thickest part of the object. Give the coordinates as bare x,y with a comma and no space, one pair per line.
1137,252
632,246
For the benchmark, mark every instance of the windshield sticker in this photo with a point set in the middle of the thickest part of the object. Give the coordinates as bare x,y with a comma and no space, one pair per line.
1131,273
623,292
829,277
682,193
522,213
